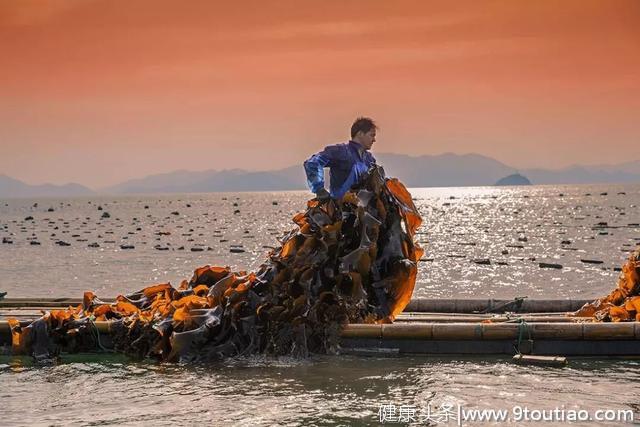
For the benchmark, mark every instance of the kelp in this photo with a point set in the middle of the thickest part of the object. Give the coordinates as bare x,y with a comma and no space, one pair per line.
352,260
623,303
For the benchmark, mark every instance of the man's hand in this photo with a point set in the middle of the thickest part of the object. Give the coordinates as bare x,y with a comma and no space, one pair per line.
323,195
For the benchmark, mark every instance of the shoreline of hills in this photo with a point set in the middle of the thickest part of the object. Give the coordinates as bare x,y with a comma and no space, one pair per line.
444,170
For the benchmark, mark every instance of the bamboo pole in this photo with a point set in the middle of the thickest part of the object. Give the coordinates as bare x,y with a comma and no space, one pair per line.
527,359
432,305
459,305
44,302
5,329
497,331
452,318
601,339
32,313
598,331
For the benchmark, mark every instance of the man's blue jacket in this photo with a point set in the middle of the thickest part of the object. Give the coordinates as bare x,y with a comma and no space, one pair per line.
347,162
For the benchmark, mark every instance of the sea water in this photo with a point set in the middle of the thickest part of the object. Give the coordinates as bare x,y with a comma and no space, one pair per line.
150,239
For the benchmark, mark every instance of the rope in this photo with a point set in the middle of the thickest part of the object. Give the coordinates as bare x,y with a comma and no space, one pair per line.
522,327
97,335
517,301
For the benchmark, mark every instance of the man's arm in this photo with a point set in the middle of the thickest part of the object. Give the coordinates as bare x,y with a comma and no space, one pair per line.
314,167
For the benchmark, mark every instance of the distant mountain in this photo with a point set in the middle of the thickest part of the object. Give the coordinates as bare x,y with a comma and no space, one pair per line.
210,180
423,171
10,188
514,179
444,170
628,167
584,175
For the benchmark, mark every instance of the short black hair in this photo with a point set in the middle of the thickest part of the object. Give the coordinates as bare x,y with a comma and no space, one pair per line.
364,124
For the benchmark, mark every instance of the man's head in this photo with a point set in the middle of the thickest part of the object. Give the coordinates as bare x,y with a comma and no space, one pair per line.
363,131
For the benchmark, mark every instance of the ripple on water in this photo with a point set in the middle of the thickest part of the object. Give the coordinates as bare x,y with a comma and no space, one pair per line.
267,391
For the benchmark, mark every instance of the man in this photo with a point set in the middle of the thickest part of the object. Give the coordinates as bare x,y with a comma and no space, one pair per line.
347,162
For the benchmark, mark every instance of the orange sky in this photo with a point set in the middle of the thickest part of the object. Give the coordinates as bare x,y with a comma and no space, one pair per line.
98,91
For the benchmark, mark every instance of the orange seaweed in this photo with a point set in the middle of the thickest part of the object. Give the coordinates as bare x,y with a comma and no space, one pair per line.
623,301
350,260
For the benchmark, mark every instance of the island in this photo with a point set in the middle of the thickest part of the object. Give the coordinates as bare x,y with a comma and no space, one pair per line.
514,179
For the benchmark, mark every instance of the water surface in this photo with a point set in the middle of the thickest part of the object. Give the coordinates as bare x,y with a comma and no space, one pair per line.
516,228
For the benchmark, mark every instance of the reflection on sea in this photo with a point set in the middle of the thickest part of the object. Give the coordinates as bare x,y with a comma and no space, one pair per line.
514,229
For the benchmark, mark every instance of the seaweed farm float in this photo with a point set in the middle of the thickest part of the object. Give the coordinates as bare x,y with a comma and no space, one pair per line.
341,281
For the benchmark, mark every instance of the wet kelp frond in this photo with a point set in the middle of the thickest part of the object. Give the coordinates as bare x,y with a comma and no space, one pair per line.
623,303
347,261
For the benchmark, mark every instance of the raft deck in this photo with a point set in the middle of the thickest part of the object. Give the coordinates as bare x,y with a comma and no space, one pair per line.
438,326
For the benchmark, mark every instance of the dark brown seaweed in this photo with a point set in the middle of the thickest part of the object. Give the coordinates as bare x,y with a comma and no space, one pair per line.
352,260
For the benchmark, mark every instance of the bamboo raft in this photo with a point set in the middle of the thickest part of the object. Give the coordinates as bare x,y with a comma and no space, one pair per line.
436,326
